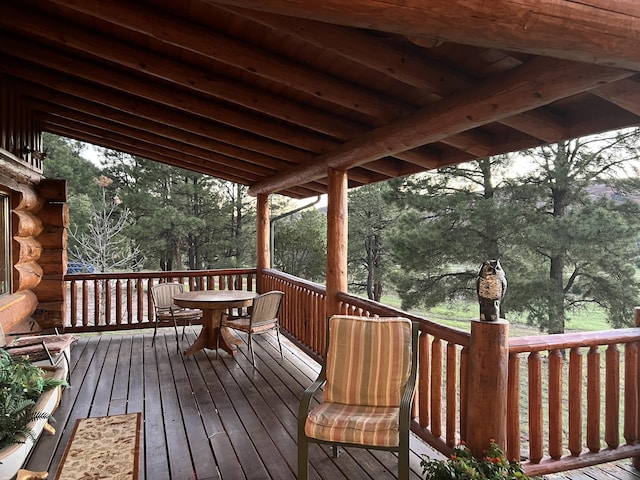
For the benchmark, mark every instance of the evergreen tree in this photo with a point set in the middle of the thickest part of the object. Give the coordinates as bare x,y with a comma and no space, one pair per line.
451,222
237,243
300,245
371,219
581,231
64,161
561,247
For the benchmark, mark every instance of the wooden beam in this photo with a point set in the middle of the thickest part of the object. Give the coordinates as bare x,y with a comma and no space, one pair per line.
625,94
66,128
404,66
69,91
206,42
195,79
156,93
153,140
598,31
159,93
539,82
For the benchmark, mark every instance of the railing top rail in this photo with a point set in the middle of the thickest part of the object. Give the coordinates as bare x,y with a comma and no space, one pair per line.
297,281
536,343
159,274
450,334
444,332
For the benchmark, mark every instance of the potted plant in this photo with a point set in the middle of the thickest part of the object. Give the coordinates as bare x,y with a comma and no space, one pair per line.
462,465
28,396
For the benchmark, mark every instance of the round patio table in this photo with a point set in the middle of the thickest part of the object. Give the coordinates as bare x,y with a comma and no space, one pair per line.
214,305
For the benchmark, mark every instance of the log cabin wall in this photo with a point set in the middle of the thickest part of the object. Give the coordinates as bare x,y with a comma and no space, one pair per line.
38,224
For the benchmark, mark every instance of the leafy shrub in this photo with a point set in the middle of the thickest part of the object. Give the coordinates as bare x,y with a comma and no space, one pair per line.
21,383
462,465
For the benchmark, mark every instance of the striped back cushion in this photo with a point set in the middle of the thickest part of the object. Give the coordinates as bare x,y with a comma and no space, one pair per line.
368,360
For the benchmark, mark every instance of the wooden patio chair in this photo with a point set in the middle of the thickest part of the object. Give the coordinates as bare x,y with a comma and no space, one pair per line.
262,318
50,349
165,310
369,378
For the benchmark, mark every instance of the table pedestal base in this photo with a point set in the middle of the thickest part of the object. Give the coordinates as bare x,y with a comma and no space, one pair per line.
208,338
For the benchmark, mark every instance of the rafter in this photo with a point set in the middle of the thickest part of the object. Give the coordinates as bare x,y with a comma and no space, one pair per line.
495,99
598,31
231,52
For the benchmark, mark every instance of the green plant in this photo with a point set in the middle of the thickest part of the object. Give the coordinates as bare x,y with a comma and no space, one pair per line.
462,465
21,383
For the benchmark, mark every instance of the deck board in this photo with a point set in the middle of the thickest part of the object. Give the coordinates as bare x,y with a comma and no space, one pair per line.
212,417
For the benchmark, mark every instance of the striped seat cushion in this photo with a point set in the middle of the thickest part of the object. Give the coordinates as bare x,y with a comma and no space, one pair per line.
368,360
357,424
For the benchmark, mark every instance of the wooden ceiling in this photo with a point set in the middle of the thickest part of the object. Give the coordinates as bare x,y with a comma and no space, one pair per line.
271,93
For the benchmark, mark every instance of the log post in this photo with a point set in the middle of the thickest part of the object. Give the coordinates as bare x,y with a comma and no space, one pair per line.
263,254
337,231
488,371
635,461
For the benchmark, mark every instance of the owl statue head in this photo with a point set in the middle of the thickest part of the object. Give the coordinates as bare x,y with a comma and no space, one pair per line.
490,267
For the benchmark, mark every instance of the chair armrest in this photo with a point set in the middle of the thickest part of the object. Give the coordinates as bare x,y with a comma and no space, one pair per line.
406,402
309,393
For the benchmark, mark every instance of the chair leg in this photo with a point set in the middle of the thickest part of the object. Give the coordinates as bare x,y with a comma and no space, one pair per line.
278,337
253,357
335,451
403,461
155,330
175,327
303,458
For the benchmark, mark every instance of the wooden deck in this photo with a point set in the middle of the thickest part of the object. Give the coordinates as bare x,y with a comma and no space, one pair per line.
218,418
204,418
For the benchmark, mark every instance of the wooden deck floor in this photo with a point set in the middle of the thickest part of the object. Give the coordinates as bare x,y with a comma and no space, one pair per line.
217,418
204,417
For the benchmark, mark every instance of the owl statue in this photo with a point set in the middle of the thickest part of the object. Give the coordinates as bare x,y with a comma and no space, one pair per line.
491,286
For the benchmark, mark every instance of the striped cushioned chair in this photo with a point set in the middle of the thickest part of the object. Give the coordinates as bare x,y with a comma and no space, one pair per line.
369,378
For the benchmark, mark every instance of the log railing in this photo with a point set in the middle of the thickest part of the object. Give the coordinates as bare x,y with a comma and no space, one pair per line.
572,400
114,301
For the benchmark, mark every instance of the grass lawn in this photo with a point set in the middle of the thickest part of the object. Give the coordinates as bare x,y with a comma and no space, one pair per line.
458,314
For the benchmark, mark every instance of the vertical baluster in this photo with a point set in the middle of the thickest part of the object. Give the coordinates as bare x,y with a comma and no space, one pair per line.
107,301
97,304
119,301
452,394
555,404
464,392
575,401
85,303
593,399
612,397
149,297
129,301
630,392
139,300
513,408
535,407
436,387
424,382
74,303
